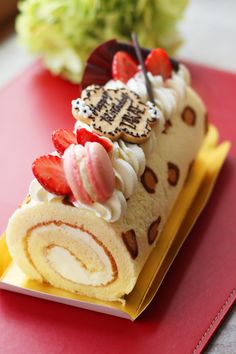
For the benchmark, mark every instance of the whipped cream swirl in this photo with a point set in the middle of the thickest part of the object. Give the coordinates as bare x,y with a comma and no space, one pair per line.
39,194
168,94
111,210
129,163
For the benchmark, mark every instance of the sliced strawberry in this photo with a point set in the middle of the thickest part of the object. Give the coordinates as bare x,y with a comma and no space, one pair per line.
158,63
123,67
49,172
83,135
62,139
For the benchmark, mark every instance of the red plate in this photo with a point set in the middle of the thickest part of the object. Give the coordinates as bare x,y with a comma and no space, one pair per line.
200,286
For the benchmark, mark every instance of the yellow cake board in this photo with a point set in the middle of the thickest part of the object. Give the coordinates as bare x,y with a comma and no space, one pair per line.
189,205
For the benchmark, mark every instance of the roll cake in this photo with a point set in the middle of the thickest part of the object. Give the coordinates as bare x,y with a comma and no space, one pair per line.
98,203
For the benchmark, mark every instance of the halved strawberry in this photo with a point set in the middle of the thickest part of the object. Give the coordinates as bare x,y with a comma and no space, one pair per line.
62,139
158,63
49,172
84,135
123,67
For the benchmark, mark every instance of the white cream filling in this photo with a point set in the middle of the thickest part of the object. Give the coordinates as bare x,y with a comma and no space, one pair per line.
71,268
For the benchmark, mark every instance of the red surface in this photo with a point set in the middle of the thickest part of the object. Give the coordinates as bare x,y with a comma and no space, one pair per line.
199,288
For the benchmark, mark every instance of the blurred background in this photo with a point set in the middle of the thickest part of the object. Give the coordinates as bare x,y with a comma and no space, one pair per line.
63,33
201,31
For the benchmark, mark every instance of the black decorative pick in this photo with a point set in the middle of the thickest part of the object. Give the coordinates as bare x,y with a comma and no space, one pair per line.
141,62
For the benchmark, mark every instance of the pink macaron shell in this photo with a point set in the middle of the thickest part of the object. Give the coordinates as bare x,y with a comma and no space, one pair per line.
72,173
100,171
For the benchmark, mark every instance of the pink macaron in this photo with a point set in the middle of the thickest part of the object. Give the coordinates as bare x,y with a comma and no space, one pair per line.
89,172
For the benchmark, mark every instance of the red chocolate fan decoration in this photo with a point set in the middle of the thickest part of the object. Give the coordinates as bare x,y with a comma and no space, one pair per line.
98,68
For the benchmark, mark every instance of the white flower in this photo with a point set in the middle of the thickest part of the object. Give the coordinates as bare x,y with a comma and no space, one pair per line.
155,112
81,107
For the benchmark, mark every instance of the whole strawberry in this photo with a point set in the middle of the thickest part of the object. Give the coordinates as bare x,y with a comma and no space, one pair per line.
158,63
